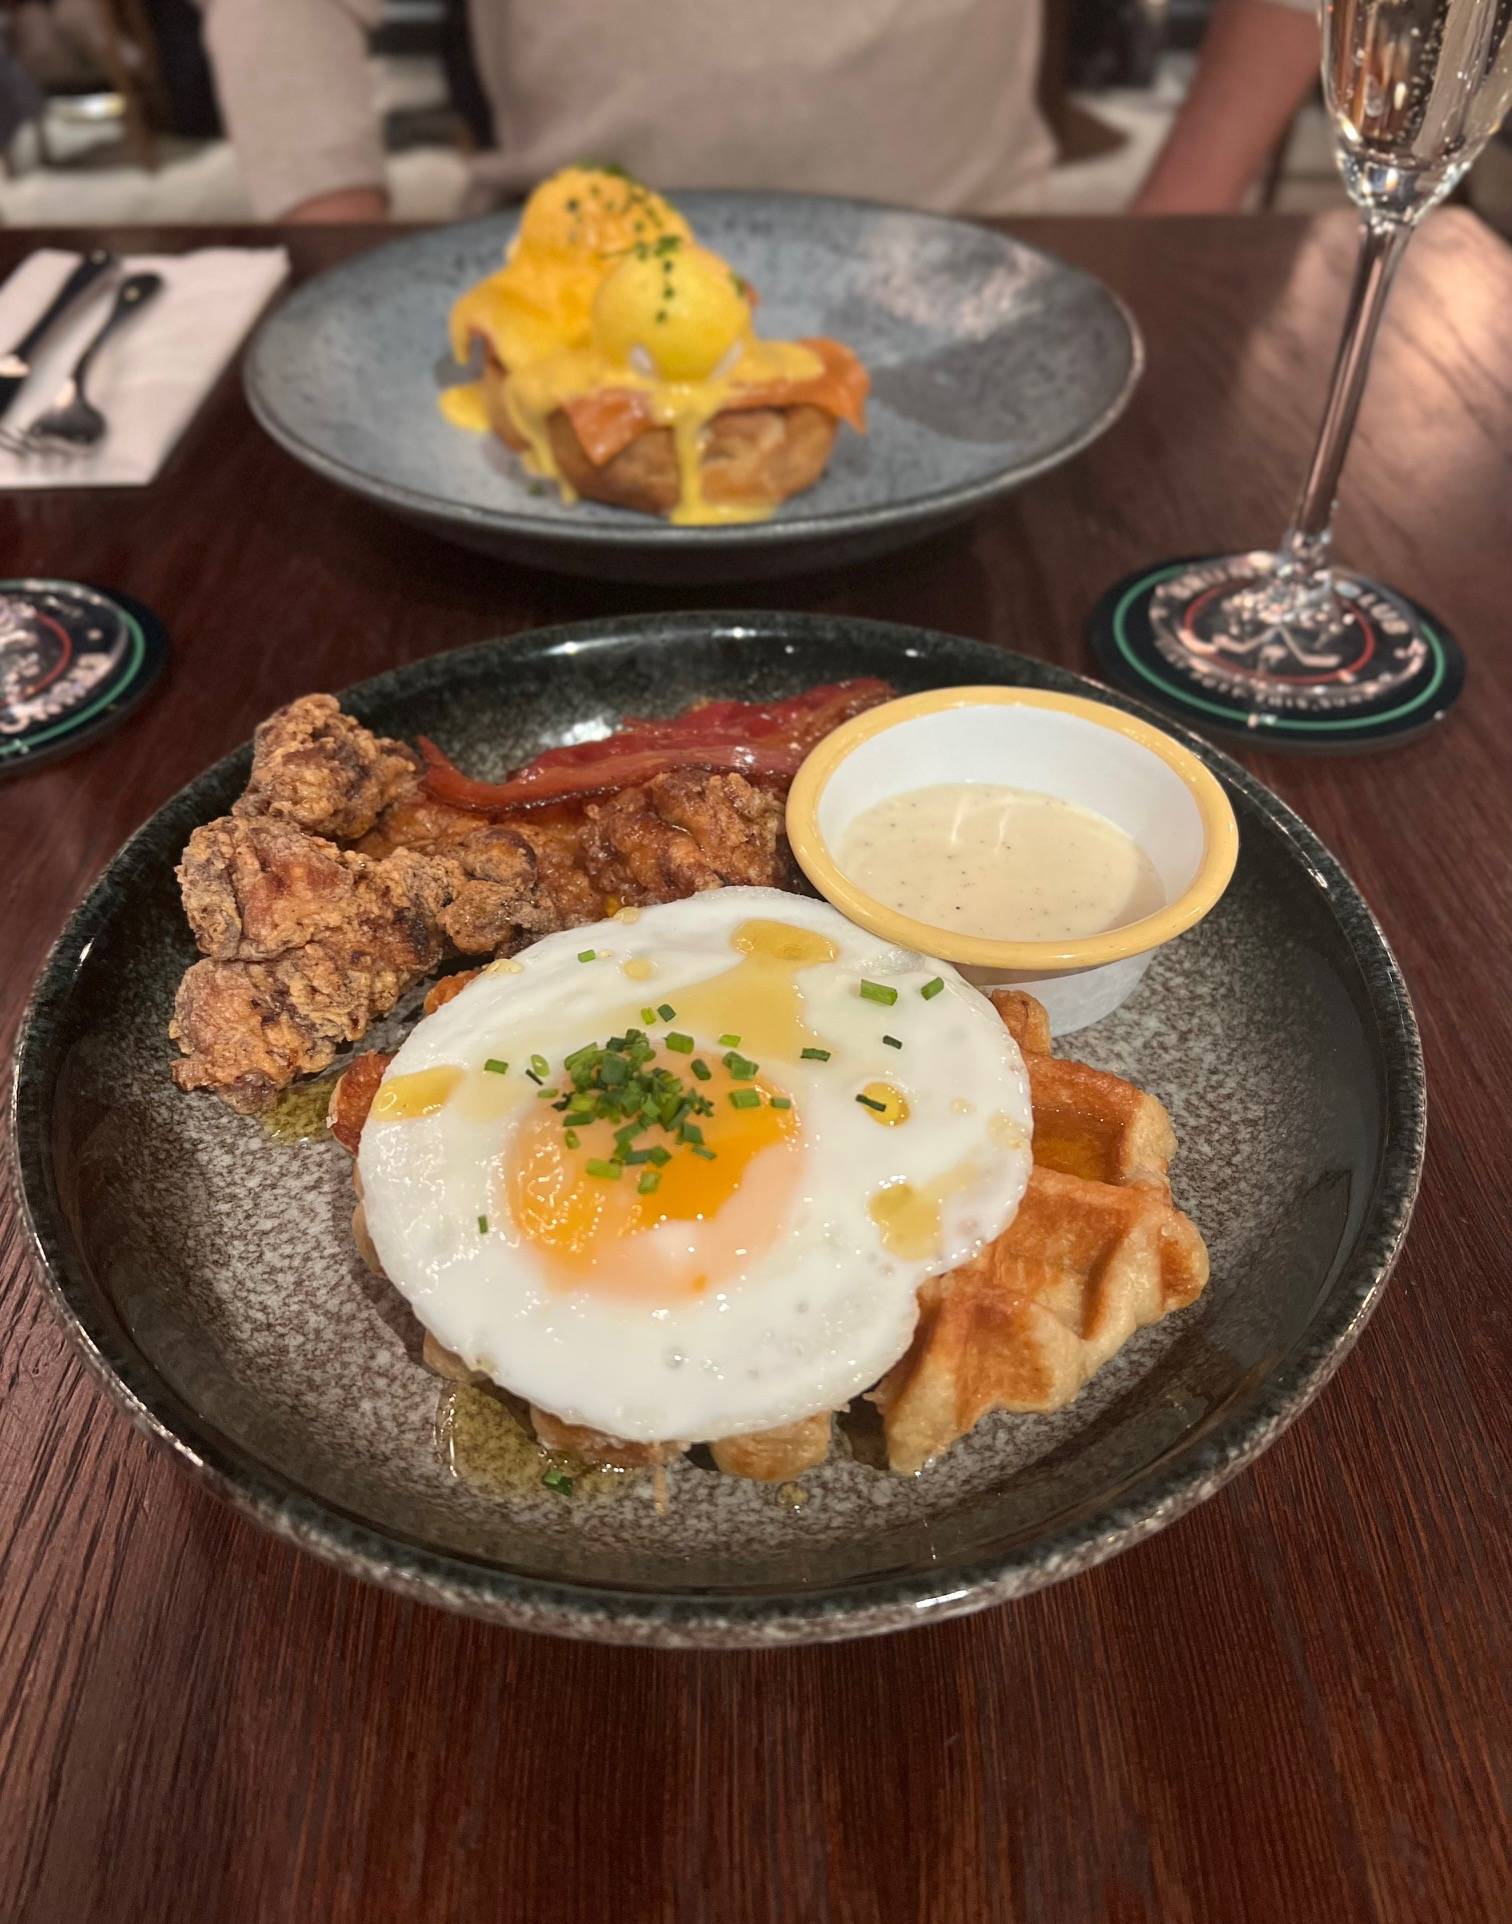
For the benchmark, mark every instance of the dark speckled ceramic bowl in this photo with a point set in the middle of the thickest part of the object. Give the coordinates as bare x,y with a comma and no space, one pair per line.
990,363
207,1272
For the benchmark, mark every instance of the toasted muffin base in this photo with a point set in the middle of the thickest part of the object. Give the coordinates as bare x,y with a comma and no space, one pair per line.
751,457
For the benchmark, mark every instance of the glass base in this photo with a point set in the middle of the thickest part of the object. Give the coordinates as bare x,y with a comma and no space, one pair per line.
1249,642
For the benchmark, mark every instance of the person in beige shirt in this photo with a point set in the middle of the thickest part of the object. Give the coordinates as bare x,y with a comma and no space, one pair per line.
925,103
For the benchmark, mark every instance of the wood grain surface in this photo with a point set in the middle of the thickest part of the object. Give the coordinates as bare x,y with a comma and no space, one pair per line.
1291,1706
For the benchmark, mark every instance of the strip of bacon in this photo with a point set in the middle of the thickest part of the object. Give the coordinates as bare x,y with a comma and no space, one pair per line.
609,419
764,741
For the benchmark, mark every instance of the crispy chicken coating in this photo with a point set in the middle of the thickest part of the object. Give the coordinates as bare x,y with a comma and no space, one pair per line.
685,832
307,942
305,945
511,882
314,766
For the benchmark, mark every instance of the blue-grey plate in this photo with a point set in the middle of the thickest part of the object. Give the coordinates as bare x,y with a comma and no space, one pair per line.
990,363
207,1270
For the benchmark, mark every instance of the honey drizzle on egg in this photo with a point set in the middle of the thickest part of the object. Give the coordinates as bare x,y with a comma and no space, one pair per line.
422,1093
760,995
909,1214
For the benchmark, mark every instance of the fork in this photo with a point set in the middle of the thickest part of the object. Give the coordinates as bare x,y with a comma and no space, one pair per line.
73,421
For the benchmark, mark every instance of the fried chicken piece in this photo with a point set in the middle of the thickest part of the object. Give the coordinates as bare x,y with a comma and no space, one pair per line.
512,881
306,942
250,1021
413,820
315,766
684,832
254,889
681,833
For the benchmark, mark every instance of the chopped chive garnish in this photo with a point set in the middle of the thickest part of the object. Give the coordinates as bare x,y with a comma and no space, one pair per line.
648,1016
635,1157
482,1225
666,1011
587,955
690,1132
611,1171
729,1042
540,1065
892,1042
700,1068
658,1157
572,1139
557,1480
707,1154
532,1074
548,1094
878,992
495,1067
931,989
650,1182
880,1107
740,1067
781,1102
745,1098
816,1055
683,1044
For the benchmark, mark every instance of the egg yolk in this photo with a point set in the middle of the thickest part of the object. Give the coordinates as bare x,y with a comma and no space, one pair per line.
572,229
597,211
706,1217
681,306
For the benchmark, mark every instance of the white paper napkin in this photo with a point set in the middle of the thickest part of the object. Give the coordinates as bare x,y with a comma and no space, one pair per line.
152,375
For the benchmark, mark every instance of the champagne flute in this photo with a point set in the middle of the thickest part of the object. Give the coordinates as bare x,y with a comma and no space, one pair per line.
1415,89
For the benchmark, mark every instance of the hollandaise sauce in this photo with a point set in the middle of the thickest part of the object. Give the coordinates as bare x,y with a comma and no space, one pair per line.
465,406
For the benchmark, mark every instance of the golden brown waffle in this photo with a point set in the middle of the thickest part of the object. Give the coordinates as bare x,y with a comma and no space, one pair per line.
1096,1251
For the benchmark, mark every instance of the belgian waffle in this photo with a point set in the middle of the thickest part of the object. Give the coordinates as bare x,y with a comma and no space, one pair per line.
1096,1250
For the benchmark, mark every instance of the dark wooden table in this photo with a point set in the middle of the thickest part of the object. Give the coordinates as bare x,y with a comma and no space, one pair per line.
1289,1707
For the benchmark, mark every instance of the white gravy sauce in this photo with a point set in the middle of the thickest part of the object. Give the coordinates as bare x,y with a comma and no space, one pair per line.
1000,862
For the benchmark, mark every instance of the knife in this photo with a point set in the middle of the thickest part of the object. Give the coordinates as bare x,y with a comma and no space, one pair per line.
17,365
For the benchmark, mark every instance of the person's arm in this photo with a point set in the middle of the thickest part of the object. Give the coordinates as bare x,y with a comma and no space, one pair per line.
294,89
1259,58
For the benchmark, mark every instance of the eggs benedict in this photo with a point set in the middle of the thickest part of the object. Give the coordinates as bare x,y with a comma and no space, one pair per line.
621,362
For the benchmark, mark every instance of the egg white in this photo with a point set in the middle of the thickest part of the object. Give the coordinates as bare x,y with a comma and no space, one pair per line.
801,1326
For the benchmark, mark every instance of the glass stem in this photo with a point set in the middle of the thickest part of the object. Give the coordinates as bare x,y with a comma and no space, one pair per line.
1304,550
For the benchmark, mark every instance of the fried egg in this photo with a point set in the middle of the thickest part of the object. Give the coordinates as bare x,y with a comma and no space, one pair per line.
679,1175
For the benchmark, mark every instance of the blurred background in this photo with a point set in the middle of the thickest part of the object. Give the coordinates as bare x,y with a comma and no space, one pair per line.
108,113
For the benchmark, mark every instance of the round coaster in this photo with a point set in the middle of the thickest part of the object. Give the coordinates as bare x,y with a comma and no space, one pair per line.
73,662
1394,672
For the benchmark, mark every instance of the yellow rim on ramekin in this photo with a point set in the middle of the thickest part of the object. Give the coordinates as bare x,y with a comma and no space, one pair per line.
1220,833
